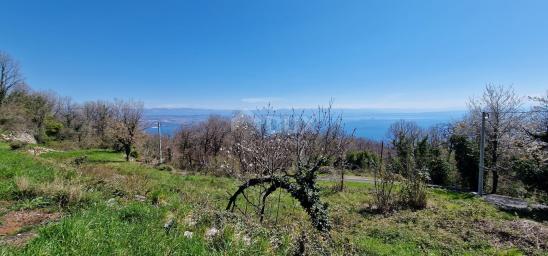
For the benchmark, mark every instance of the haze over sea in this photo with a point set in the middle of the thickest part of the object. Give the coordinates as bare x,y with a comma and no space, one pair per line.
371,124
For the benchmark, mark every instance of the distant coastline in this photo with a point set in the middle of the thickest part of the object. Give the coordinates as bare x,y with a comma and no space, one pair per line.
366,123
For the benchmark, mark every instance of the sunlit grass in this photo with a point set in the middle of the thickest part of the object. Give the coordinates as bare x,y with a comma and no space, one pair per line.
109,216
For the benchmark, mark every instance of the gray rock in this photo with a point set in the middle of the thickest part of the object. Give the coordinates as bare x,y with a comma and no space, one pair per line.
140,198
169,225
111,202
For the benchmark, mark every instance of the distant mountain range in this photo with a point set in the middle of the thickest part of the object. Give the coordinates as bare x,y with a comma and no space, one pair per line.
368,123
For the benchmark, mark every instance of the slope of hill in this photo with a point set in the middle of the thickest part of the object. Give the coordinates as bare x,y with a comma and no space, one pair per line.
91,202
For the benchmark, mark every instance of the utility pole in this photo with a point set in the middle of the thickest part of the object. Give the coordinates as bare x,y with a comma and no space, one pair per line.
160,140
484,116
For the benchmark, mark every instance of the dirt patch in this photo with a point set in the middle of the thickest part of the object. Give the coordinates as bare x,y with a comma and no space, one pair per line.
19,239
15,221
36,151
530,236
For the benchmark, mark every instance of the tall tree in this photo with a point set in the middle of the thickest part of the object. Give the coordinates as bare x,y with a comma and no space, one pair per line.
404,136
10,75
99,114
503,105
127,123
538,127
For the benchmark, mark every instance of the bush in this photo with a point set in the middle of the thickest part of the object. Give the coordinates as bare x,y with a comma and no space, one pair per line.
439,172
80,160
384,192
15,145
52,127
164,167
362,160
134,154
467,158
533,174
413,194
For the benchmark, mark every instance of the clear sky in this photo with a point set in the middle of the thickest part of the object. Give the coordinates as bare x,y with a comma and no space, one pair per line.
292,53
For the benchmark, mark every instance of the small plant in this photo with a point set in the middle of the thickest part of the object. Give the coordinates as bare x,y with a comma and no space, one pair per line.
384,193
413,192
164,167
38,202
80,160
134,154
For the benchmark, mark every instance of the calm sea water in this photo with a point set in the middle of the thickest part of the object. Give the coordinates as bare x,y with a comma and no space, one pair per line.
366,124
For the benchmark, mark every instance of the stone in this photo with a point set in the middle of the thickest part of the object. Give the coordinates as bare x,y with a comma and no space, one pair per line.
169,225
188,234
111,202
210,233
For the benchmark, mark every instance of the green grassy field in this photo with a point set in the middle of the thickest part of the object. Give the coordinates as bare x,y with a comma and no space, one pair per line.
105,206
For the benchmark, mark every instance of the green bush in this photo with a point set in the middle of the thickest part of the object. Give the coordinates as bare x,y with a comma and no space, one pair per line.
134,154
164,167
15,145
362,159
532,173
52,127
467,158
439,172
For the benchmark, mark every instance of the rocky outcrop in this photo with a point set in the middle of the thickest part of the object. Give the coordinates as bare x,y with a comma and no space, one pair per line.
20,136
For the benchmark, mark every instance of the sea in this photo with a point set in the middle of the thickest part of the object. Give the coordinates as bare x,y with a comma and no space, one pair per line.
370,124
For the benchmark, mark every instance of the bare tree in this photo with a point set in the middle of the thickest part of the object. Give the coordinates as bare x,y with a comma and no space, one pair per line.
99,115
10,75
126,125
185,144
66,111
538,127
211,135
503,106
289,158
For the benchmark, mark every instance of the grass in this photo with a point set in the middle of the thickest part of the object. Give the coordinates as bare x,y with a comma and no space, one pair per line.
112,207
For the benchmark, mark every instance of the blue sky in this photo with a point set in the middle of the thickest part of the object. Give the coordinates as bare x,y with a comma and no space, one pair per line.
242,54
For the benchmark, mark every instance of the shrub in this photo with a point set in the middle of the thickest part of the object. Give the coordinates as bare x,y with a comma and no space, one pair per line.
439,172
63,192
134,154
467,158
385,182
164,167
15,145
25,189
52,127
413,193
532,173
362,160
80,160
413,187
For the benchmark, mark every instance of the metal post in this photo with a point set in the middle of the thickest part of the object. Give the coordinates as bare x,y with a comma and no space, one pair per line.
160,139
484,116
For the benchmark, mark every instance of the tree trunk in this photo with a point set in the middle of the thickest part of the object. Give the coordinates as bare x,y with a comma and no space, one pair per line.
127,149
342,180
306,194
494,166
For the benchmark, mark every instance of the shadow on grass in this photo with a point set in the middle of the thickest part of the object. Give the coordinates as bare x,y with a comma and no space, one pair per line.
537,214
